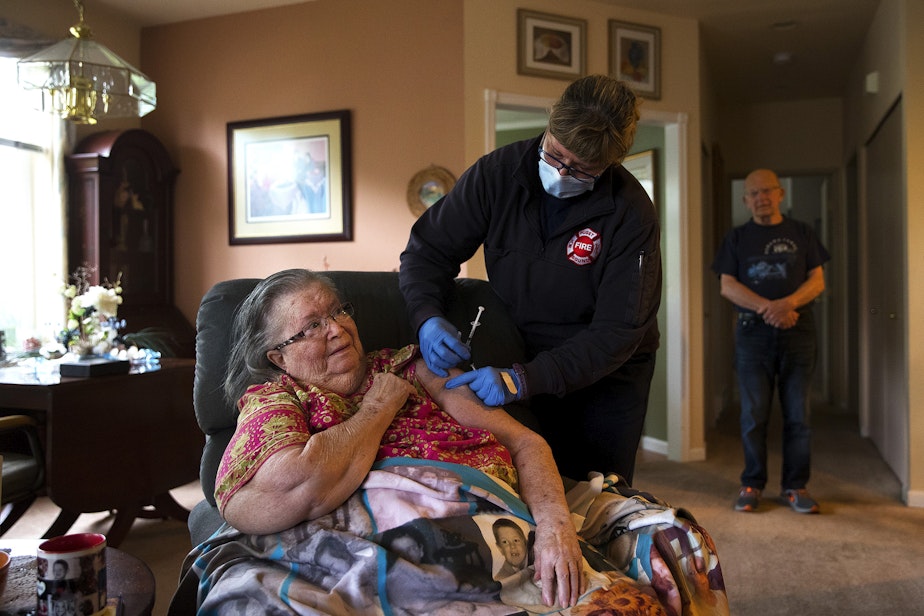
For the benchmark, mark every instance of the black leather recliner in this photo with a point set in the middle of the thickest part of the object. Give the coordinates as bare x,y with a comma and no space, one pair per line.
381,317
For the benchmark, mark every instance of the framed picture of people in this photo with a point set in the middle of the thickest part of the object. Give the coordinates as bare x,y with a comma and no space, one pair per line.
290,179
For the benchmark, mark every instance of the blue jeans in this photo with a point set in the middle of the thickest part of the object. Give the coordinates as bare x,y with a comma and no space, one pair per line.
766,357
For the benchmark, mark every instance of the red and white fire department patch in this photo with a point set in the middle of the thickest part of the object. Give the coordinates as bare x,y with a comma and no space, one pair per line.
584,247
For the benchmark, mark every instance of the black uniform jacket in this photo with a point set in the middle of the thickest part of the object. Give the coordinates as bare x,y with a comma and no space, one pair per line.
585,298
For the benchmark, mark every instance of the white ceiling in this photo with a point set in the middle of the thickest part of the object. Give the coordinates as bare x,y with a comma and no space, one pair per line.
159,12
740,38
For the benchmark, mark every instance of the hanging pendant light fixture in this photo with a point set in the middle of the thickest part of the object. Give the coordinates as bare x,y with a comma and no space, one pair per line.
83,81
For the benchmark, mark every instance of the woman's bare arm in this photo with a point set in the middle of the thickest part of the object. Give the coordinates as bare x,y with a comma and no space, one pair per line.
557,553
302,483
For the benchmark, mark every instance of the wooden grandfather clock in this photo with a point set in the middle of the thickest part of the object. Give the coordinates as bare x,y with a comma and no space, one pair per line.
120,222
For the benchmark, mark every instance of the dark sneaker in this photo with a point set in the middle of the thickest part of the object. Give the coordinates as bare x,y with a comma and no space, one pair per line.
747,499
800,501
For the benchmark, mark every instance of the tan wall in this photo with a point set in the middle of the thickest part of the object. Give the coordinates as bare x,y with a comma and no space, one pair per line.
883,53
797,136
52,19
396,66
914,153
491,62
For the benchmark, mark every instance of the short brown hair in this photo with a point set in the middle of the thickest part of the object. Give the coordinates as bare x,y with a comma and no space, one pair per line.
595,119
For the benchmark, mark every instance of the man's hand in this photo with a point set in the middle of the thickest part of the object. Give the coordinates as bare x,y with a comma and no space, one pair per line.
440,345
779,313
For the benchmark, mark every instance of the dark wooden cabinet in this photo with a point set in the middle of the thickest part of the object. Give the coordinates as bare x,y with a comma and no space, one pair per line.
120,222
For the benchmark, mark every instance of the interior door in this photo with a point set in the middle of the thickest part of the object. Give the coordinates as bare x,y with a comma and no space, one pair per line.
887,391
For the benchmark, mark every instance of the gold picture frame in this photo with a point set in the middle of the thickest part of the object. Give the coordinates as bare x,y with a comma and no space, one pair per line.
428,186
551,45
290,179
635,57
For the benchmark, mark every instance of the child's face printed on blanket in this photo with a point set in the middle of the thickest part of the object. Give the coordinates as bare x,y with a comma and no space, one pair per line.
512,545
408,548
332,356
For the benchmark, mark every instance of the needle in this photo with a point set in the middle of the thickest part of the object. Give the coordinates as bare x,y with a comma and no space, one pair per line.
475,325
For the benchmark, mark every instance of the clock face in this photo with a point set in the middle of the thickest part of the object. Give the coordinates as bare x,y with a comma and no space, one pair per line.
136,228
431,192
427,187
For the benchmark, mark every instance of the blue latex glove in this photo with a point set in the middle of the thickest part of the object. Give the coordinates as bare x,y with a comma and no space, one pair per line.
440,345
488,384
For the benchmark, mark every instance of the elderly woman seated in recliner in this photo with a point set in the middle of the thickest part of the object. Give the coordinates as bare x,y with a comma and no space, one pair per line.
337,446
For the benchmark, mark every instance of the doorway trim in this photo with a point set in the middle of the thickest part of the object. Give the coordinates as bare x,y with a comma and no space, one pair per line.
685,421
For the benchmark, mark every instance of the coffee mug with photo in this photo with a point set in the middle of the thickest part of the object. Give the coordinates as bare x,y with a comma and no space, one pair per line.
71,575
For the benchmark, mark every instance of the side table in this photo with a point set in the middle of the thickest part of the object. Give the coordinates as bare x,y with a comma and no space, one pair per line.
133,435
126,576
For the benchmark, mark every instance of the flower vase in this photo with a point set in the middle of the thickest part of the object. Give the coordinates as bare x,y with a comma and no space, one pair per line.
83,349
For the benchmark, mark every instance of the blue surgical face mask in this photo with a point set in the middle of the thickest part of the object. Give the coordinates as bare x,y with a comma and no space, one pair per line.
558,185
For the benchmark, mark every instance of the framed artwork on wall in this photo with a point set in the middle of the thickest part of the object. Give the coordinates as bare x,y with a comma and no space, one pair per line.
551,45
635,57
290,179
643,166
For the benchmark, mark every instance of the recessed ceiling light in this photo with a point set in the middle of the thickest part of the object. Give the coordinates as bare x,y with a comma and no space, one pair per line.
782,57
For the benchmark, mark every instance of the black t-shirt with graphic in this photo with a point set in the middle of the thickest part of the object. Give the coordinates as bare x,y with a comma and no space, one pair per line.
771,260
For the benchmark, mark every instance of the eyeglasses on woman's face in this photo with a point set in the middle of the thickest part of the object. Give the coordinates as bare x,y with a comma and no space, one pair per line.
317,328
558,165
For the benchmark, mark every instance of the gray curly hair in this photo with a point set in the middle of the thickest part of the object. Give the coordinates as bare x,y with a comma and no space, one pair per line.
251,329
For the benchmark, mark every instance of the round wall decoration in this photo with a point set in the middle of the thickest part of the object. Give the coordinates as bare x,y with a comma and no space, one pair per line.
427,187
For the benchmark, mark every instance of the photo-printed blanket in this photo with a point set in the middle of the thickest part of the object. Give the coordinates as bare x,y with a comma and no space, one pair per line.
423,537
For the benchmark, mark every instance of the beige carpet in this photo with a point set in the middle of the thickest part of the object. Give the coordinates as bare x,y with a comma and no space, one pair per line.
863,555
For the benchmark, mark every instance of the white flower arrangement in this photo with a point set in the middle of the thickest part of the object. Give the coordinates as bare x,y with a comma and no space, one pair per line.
92,326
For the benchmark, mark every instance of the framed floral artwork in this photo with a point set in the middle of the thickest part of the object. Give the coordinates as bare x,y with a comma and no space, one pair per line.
290,179
551,45
635,57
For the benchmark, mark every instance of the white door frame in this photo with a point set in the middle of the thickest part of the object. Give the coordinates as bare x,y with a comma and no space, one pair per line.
685,441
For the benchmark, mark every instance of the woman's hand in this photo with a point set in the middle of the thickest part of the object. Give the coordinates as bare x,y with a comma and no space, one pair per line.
387,394
299,483
558,558
558,562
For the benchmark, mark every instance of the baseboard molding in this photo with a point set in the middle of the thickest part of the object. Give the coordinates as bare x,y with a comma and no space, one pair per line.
654,445
915,498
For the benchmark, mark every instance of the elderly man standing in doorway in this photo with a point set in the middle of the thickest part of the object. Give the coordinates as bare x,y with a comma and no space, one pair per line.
770,268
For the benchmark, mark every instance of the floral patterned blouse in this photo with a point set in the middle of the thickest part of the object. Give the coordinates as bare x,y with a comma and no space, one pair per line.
283,414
